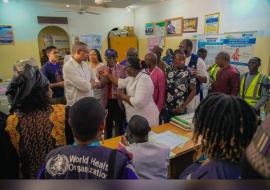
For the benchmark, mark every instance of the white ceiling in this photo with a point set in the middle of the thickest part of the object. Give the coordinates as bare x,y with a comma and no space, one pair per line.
113,4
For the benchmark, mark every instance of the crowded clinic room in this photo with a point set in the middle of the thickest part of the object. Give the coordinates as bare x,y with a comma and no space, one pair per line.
135,89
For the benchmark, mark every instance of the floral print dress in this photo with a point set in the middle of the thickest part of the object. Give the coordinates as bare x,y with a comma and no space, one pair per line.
178,81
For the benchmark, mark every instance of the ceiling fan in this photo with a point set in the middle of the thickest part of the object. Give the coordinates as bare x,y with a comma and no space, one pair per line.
83,9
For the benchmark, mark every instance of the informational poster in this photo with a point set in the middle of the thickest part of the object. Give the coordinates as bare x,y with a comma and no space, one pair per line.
211,25
240,46
149,29
93,41
155,41
160,28
6,35
213,45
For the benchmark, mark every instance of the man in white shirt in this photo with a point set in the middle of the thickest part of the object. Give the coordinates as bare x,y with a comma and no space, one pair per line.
77,75
79,80
199,70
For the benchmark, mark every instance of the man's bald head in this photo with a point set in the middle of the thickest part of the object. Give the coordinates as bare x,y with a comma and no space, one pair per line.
132,52
151,59
223,59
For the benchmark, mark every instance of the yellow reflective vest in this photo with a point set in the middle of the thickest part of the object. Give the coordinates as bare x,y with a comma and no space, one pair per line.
253,92
213,72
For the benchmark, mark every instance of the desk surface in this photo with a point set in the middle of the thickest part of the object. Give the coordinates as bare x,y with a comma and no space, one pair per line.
188,146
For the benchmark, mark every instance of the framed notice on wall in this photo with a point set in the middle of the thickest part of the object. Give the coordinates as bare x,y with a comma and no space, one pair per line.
6,35
211,23
174,27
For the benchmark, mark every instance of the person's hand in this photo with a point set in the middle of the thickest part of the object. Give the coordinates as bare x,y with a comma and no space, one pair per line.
93,83
181,109
104,73
194,72
124,140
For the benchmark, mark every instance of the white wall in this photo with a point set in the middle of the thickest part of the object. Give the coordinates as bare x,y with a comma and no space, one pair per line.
236,15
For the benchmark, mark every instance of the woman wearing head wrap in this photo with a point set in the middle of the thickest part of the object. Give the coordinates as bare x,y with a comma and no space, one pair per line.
35,127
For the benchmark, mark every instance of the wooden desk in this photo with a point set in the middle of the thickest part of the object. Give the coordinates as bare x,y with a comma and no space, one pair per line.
183,155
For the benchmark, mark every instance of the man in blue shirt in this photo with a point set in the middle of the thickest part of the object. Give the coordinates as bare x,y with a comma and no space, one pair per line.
53,71
87,158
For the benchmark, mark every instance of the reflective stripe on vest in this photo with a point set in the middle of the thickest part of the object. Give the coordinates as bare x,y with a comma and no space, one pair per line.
252,94
213,72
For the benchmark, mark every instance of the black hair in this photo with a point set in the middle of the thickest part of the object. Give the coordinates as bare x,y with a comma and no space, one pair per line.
170,51
178,51
226,125
85,118
139,128
50,48
134,63
202,50
38,99
258,60
188,43
98,55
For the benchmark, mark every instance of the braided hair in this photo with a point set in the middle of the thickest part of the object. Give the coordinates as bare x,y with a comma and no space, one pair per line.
226,125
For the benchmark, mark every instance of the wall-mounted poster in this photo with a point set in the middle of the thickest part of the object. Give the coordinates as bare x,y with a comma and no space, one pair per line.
211,23
155,41
149,29
160,28
190,25
6,35
240,46
174,27
93,41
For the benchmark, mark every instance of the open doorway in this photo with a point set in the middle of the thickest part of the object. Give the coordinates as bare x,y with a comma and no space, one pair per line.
53,36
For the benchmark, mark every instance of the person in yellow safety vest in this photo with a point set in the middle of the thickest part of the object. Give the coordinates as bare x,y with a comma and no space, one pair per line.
253,83
213,71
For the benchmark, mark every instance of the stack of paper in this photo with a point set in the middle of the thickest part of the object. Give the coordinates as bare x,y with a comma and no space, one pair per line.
169,139
183,121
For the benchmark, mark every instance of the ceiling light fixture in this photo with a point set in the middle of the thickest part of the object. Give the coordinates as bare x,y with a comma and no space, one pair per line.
67,5
5,1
